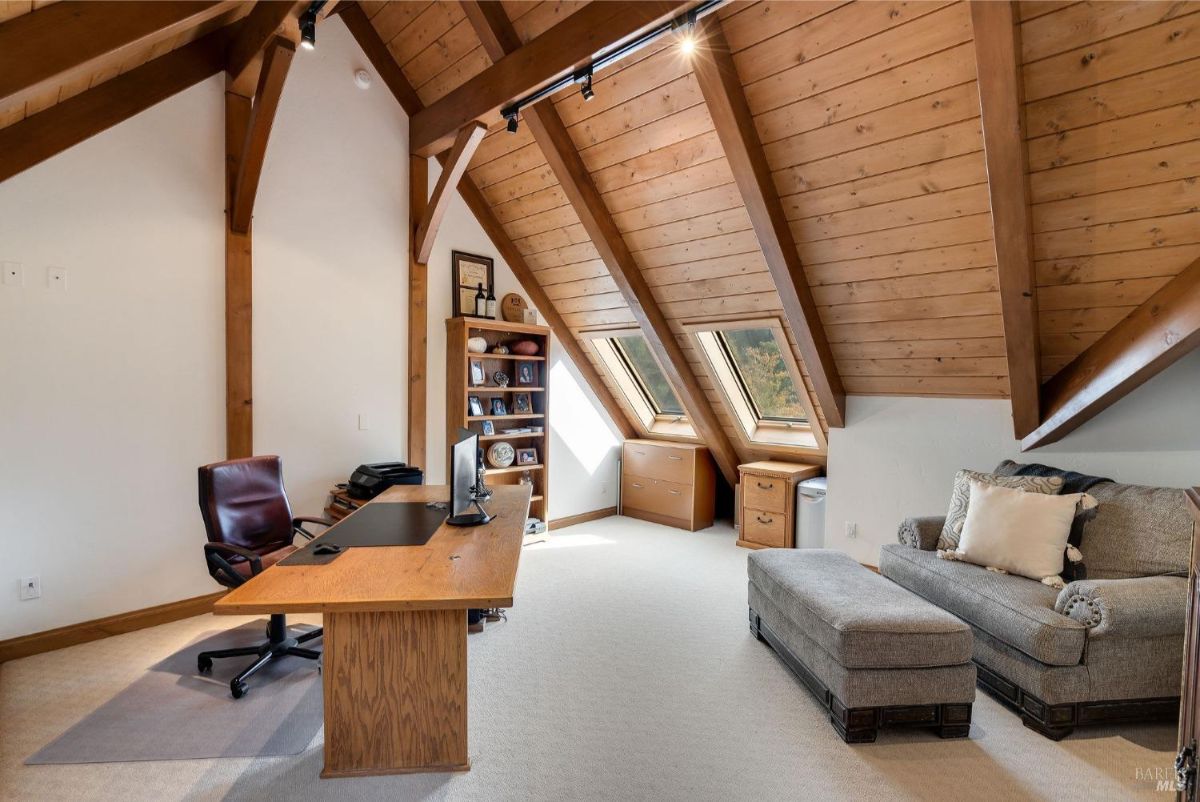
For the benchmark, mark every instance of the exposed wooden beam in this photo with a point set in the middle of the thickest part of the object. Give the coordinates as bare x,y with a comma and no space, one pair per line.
713,65
453,169
377,53
66,40
276,60
48,133
1151,338
559,51
239,374
418,314
1001,100
576,182
261,25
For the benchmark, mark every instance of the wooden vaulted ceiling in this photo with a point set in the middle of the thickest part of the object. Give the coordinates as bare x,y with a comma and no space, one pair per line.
869,117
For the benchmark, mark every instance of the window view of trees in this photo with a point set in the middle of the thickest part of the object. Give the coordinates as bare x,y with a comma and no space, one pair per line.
756,357
637,354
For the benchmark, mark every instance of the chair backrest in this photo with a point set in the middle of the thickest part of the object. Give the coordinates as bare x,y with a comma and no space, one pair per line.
244,504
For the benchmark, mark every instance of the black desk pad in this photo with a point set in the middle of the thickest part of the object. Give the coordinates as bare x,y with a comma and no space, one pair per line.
405,523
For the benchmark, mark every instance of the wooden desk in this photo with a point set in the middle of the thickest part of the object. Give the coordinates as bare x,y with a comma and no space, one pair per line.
395,675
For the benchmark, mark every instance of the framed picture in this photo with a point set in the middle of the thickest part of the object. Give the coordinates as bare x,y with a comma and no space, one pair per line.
522,405
527,456
489,428
526,374
477,376
474,406
498,407
468,272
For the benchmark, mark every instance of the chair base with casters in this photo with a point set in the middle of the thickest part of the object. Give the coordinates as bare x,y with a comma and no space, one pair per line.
278,644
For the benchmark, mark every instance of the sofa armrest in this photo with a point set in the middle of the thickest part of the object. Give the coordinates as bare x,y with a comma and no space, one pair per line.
1139,608
921,533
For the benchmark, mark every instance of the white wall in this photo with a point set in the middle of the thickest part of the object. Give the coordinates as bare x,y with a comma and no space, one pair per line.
113,392
897,456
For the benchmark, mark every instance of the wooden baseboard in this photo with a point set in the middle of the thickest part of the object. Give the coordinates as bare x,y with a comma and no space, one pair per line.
582,518
62,637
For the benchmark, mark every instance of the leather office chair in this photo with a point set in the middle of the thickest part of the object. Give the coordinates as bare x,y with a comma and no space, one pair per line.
250,528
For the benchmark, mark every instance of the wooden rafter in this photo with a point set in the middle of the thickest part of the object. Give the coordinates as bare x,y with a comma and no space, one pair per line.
1001,100
557,52
1151,338
261,25
713,65
377,53
50,132
498,37
453,169
276,61
65,40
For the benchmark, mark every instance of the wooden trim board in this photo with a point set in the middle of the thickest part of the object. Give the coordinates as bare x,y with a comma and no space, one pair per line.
582,518
86,631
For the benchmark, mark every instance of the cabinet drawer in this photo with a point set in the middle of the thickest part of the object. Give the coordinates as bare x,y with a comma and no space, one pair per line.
765,492
765,528
652,495
660,462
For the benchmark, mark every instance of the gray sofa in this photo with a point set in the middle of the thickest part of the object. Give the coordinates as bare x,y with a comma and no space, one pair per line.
1108,648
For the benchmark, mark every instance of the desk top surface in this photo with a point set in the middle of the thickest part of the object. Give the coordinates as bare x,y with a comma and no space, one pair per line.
459,567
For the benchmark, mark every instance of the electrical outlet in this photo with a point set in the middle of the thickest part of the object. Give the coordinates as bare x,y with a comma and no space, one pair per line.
14,274
851,529
56,278
31,587
604,488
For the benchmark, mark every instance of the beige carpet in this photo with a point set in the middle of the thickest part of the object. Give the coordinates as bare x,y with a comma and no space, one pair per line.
626,672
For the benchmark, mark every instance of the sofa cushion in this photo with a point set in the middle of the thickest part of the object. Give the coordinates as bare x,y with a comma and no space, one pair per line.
1137,531
1014,609
856,616
960,497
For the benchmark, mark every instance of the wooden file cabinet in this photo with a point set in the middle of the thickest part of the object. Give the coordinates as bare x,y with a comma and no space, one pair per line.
767,510
668,483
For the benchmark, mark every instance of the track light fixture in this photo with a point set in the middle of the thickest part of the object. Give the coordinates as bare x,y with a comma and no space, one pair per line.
308,25
685,29
584,79
512,121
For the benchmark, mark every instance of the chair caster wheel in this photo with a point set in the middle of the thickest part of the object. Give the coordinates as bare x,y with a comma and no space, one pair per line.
238,689
204,665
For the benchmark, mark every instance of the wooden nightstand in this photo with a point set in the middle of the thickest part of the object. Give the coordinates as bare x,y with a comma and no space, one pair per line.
767,506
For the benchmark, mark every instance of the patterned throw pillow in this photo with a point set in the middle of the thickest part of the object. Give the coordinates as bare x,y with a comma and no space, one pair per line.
957,516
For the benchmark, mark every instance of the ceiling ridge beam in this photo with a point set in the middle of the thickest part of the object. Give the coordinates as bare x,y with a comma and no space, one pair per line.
62,41
453,169
567,46
48,133
1002,117
383,62
556,145
712,63
1152,337
276,60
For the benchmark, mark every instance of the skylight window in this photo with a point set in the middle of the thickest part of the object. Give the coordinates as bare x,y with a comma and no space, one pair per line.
650,379
641,381
761,374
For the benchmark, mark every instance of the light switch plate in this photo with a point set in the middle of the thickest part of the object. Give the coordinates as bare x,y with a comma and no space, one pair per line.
14,274
56,278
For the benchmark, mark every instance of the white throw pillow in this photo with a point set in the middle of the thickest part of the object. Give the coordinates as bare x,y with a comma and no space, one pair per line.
1015,531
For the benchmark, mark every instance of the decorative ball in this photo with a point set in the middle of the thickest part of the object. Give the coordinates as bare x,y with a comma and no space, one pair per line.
477,345
501,378
525,348
500,349
501,454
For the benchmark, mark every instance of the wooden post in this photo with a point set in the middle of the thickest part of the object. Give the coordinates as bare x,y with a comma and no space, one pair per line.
239,397
418,313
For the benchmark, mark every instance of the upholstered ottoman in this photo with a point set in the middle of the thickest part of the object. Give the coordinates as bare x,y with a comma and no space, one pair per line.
874,654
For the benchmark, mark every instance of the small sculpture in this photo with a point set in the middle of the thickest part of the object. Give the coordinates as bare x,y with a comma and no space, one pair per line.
500,349
501,378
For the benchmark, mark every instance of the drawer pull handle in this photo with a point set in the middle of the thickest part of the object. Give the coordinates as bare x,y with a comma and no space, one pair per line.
767,486
767,521
674,457
673,492
635,484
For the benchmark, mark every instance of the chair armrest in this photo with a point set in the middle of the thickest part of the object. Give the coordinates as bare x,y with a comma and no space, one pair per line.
921,533
306,519
1144,607
215,555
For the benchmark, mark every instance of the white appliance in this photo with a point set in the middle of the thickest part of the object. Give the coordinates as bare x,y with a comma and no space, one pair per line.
810,513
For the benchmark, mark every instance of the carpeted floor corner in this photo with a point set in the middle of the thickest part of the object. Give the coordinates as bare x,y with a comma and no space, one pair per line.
626,671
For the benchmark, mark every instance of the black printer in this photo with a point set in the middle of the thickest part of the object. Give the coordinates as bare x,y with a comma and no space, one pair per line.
368,481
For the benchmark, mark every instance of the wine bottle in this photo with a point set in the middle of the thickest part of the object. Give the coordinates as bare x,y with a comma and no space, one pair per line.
491,303
480,302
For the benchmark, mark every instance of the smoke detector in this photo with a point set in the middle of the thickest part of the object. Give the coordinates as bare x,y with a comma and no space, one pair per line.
362,79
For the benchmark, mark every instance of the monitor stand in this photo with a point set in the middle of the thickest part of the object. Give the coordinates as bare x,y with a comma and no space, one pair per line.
471,518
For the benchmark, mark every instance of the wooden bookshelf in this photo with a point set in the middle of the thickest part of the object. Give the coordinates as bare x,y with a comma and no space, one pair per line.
459,388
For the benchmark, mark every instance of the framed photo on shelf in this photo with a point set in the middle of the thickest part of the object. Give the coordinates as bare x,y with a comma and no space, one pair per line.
468,271
527,456
522,405
474,406
526,374
489,428
477,375
498,407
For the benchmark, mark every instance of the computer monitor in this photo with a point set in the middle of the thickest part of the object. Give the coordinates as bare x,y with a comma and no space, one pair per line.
463,477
